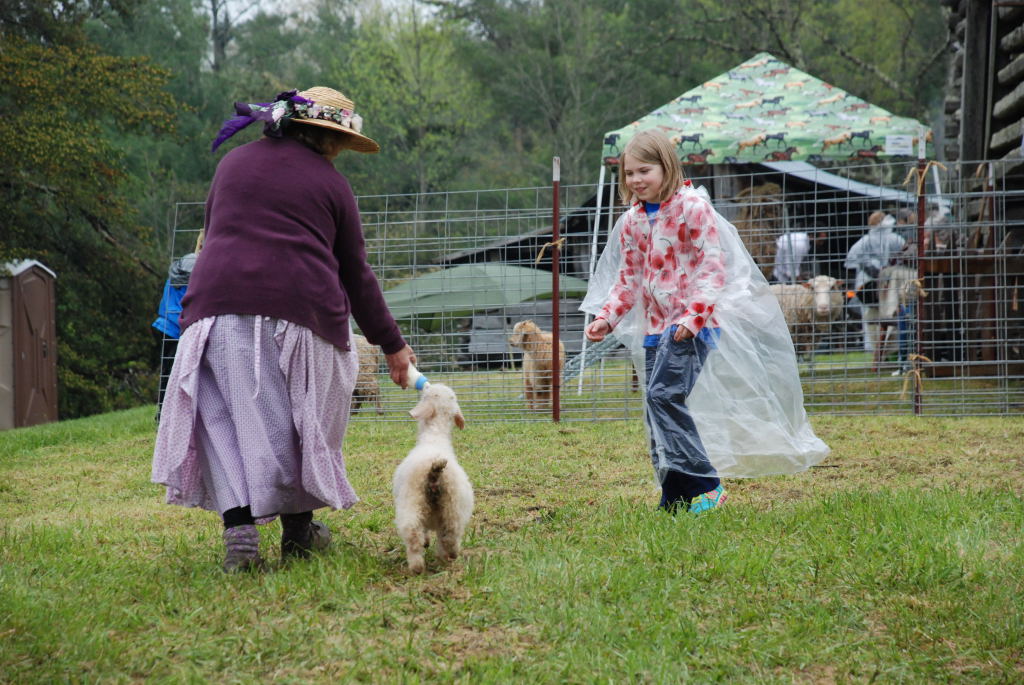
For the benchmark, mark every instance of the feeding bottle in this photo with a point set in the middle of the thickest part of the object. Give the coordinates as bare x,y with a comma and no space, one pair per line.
417,379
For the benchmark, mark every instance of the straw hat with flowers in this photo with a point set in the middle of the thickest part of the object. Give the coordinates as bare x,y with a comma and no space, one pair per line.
318,106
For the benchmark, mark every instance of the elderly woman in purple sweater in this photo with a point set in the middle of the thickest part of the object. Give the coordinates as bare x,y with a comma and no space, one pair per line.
258,398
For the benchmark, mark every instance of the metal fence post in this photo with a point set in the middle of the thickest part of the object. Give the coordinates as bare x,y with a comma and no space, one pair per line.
556,395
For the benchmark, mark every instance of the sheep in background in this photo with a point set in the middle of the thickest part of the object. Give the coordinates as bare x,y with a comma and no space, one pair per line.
809,309
898,286
367,388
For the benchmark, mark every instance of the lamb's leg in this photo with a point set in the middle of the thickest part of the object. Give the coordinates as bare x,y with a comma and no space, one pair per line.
868,329
878,335
376,398
545,390
413,536
530,395
883,344
449,541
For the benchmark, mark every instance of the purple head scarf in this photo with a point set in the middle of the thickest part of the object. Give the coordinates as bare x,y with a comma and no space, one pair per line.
271,113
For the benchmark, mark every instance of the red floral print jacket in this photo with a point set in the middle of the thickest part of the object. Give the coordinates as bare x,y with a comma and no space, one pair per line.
675,267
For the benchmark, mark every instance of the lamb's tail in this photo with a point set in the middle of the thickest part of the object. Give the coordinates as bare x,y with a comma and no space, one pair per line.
433,486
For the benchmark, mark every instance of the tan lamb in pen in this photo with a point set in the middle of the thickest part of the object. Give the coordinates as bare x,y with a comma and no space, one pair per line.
367,388
537,370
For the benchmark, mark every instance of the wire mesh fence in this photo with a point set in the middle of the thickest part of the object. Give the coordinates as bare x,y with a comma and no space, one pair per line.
937,333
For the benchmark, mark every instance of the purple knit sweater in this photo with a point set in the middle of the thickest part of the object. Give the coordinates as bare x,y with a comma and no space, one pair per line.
284,239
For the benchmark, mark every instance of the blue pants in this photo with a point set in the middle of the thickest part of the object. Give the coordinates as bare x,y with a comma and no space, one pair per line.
672,370
904,326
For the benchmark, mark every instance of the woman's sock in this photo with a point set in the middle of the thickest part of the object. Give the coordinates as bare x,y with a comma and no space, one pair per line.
239,516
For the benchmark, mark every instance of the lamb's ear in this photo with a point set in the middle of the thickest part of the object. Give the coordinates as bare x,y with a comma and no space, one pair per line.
840,284
423,410
807,284
460,420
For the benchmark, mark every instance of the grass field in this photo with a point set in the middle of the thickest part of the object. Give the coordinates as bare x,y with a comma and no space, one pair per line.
899,560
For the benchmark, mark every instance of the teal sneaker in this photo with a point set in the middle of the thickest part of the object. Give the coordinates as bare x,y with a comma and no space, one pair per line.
709,500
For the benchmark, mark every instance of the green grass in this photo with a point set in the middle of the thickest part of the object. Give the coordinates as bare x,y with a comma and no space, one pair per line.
899,561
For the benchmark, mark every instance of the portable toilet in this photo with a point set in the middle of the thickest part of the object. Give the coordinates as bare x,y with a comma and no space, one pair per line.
28,345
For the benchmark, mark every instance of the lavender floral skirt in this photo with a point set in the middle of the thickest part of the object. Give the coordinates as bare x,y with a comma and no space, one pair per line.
255,414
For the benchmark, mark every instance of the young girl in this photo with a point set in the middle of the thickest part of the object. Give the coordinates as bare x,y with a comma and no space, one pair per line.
723,393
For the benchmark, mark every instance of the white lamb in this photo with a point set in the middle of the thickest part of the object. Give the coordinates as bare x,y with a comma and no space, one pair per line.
432,492
809,309
898,285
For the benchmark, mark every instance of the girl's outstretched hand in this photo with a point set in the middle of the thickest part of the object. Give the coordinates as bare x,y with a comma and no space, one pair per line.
597,329
682,333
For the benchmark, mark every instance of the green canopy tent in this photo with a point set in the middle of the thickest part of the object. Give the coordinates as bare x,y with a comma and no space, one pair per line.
765,110
468,288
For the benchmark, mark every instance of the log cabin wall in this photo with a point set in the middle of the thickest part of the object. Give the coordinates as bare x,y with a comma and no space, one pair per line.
984,104
984,125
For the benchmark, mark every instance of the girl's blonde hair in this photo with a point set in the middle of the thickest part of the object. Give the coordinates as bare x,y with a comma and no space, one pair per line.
652,147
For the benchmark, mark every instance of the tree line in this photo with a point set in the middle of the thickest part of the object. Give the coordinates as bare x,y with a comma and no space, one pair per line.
108,108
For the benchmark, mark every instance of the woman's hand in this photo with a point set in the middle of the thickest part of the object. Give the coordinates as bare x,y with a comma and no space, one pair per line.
597,329
398,366
682,333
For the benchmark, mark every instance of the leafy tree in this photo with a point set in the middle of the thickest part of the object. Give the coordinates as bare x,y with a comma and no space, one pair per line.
561,72
889,52
52,22
160,170
60,203
417,100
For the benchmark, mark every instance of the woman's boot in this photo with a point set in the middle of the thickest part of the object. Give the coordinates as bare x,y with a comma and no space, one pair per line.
300,535
243,550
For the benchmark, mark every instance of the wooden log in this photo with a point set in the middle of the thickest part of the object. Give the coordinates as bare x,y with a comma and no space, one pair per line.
1010,104
1005,137
1012,72
973,139
1011,161
952,20
1010,14
1013,41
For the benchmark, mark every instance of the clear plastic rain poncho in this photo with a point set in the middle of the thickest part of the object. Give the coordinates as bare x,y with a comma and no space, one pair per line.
747,402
